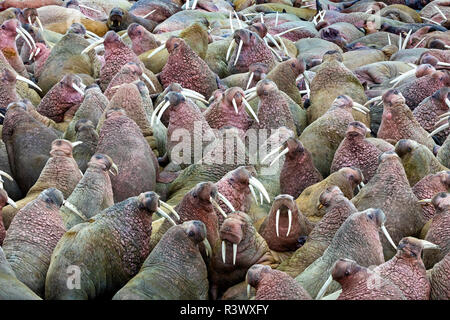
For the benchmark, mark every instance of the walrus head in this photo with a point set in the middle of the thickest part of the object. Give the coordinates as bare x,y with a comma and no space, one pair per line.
103,162
356,129
255,274
266,87
115,19
411,248
393,97
344,268
52,196
61,147
149,201
173,43
328,195
8,76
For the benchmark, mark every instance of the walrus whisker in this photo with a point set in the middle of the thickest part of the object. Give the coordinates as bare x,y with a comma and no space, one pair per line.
441,128
166,216
31,83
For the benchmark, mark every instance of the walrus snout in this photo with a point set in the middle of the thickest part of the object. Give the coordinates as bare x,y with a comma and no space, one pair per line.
61,147
328,195
195,229
376,215
52,196
403,147
149,201
174,98
343,268
254,274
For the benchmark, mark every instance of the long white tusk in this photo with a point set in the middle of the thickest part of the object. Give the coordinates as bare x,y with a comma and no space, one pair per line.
161,112
289,30
250,90
29,21
190,95
389,39
400,41
11,203
262,17
159,49
248,290
224,248
284,46
194,93
356,104
43,33
445,115
277,222
282,153
89,8
308,90
403,76
235,106
324,288
250,109
249,80
231,23
115,168
289,221
253,193
261,198
238,52
275,53
94,35
258,185
194,4
239,20
207,247
76,143
77,89
146,78
234,253
24,38
251,96
428,245
166,216
379,98
440,12
72,208
31,83
358,109
25,32
447,102
271,38
276,19
431,20
445,64
405,42
92,46
187,4
226,201
386,234
170,208
423,39
216,205
158,107
333,296
146,16
271,153
229,50
424,201
441,128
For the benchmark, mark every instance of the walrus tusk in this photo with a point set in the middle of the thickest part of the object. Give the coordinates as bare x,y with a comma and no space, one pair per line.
261,197
24,38
207,247
428,245
223,251
249,80
29,21
274,52
76,143
92,46
89,8
77,89
161,112
145,17
324,287
403,76
235,105
159,49
333,296
422,40
216,205
289,222
358,109
284,46
444,64
405,42
441,128
308,91
251,90
424,201
6,175
431,20
319,206
158,107
194,4
170,208
190,95
31,83
389,39
400,41
271,153
248,290
231,23
282,153
386,234
379,98
440,12
277,223
11,203
146,78
445,115
93,34
72,208
253,193
194,92
289,30
250,109
2,116
276,19
239,20
234,253
262,17
271,38
226,201
238,52
360,106
166,216
25,32
440,122
115,168
251,96
258,185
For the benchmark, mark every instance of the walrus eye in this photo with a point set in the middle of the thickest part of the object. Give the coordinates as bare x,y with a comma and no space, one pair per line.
370,216
347,273
3,27
191,233
413,254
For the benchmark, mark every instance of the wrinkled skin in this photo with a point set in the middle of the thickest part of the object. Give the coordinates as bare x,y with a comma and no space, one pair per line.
137,169
8,92
62,101
298,170
438,233
398,122
357,239
32,237
130,72
346,179
185,67
10,287
86,133
174,270
407,271
111,246
337,209
28,144
3,202
333,79
356,283
8,46
251,249
241,80
253,50
356,151
92,194
60,172
427,187
164,9
323,136
300,226
142,40
418,161
274,285
390,191
440,282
